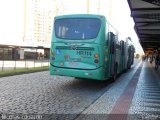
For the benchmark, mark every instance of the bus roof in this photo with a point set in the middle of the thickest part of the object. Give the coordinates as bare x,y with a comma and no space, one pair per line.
80,15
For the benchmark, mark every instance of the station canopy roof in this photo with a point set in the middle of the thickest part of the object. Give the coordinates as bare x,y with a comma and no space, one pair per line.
146,16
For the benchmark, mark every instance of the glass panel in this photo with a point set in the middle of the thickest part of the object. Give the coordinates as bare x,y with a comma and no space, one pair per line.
7,53
1,53
77,28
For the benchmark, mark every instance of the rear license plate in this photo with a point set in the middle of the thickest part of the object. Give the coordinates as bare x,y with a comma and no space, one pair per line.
73,63
84,53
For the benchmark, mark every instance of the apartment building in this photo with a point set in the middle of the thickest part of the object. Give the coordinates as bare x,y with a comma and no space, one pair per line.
38,17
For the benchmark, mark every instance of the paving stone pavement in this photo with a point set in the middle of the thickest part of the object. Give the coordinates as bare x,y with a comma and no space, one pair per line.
40,93
103,106
146,101
51,96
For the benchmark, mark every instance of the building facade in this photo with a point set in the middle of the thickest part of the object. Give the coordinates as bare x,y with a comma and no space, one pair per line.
38,17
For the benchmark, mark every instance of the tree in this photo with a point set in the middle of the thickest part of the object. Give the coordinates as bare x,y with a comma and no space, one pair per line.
137,56
129,38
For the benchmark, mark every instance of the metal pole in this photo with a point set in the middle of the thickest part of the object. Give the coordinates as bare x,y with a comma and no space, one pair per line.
35,59
15,64
25,62
49,58
36,55
15,59
41,60
3,61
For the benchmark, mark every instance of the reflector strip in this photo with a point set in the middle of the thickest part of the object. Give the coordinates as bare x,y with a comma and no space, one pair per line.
75,47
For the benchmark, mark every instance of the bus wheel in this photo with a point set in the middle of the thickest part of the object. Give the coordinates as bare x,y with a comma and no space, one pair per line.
129,67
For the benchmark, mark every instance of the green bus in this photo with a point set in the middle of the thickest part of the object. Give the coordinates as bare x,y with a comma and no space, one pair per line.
87,46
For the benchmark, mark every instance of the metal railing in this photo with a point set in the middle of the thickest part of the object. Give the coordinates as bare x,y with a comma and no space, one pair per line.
15,57
15,64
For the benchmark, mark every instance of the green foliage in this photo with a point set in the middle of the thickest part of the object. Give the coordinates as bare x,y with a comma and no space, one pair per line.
137,56
22,70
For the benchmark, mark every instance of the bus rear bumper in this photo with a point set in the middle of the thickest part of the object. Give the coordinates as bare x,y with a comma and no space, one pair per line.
97,74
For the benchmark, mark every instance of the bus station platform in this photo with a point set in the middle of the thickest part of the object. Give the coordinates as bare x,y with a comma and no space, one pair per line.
138,100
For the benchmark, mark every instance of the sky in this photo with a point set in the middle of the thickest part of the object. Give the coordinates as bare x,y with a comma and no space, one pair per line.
117,13
11,22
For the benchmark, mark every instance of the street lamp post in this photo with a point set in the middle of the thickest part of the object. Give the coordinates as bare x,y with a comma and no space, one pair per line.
15,58
3,61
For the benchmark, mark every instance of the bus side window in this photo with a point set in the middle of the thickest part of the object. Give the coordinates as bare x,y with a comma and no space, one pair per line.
107,40
122,48
112,48
112,44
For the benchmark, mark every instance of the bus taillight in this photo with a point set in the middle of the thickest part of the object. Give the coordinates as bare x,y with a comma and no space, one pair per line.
96,55
96,61
53,58
53,53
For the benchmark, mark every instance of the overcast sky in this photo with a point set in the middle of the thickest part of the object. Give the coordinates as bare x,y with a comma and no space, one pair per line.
116,11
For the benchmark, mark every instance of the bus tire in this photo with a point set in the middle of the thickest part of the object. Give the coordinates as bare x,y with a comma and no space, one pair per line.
78,78
129,67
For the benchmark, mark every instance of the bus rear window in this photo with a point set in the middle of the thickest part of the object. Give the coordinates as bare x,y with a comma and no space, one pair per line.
77,28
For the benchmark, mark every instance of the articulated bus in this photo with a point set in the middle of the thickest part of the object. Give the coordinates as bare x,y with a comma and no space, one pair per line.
87,46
